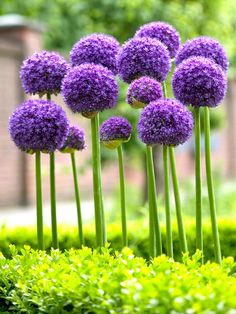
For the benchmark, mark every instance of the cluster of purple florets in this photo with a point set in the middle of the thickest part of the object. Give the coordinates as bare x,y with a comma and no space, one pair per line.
43,73
164,32
38,125
198,81
90,88
165,122
203,47
143,56
142,91
75,140
96,48
115,128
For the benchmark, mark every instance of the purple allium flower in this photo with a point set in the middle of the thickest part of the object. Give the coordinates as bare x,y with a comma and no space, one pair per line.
203,47
43,72
90,88
164,32
165,122
114,131
143,56
198,81
96,48
74,141
38,125
142,91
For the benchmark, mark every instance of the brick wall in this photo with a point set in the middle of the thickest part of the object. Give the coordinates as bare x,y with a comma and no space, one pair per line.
10,158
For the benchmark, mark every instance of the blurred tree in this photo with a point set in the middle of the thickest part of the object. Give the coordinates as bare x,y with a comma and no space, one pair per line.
67,20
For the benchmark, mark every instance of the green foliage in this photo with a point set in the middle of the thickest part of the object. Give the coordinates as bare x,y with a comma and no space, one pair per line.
137,233
86,281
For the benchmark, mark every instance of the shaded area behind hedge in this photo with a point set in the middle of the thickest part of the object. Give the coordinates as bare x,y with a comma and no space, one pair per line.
138,238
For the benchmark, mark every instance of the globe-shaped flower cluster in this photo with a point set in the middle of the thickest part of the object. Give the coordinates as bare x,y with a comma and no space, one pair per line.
89,88
114,131
43,73
142,91
143,56
203,47
164,32
38,125
165,122
199,81
96,48
75,140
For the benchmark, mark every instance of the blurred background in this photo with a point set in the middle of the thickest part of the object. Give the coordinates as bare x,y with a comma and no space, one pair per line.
27,26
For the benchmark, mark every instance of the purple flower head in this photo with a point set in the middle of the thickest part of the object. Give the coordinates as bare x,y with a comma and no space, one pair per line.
165,122
198,81
74,141
114,131
164,32
203,47
43,72
38,125
96,48
142,91
143,56
89,88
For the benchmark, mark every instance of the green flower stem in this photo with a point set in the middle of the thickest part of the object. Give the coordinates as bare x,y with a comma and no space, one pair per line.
97,186
152,238
210,187
53,202
122,196
167,203
55,243
100,180
164,89
39,204
198,180
178,207
182,235
155,232
77,199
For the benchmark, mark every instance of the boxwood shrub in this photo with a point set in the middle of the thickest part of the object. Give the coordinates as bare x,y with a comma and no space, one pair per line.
86,281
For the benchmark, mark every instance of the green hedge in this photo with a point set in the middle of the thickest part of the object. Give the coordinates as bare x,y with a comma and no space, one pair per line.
82,281
138,238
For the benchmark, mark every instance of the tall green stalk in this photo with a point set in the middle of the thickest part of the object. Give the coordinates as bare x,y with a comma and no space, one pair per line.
100,179
97,186
55,243
198,180
210,187
77,200
122,196
39,204
169,241
154,225
178,207
180,222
